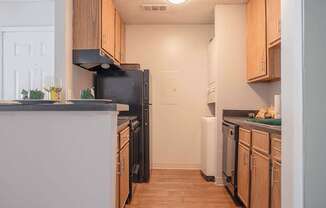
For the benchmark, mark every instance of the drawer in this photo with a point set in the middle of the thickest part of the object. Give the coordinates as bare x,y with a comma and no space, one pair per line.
124,137
245,136
276,149
260,141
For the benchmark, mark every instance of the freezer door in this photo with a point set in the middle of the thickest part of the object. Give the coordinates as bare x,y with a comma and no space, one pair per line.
146,87
146,133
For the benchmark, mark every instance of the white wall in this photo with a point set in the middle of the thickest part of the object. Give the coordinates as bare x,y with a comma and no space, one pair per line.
75,78
314,102
81,79
63,42
233,91
38,13
22,14
69,163
177,58
292,108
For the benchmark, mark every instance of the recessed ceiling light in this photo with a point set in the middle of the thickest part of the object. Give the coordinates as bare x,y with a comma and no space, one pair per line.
177,1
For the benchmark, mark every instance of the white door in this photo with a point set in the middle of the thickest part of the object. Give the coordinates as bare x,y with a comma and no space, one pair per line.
28,57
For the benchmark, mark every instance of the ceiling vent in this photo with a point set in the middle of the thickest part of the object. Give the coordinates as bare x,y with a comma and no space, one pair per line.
155,7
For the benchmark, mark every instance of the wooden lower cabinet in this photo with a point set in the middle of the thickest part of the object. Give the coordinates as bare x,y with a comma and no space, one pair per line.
243,174
124,175
276,185
260,180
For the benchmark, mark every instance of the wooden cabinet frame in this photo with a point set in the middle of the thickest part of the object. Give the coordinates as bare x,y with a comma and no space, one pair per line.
94,28
244,168
263,48
122,176
268,184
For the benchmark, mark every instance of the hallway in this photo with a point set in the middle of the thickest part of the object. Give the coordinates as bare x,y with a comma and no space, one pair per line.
180,189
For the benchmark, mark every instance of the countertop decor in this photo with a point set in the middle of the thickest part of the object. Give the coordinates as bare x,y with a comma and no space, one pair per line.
240,117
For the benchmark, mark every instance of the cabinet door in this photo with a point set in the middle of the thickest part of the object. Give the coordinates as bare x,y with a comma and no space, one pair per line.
108,22
124,177
276,185
123,42
256,39
118,174
273,21
117,37
243,174
260,175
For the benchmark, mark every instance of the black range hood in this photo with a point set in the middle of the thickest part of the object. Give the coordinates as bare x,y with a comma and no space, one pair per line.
93,59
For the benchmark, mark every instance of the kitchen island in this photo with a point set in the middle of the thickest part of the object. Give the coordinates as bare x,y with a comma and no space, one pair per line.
60,155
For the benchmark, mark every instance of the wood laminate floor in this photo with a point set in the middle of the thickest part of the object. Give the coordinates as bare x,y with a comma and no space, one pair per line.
180,189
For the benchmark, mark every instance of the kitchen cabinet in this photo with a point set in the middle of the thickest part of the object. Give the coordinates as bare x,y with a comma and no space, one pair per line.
124,175
276,172
274,38
86,27
259,169
276,185
273,21
122,182
256,39
263,40
108,27
243,173
93,25
260,177
117,184
123,41
117,36
97,27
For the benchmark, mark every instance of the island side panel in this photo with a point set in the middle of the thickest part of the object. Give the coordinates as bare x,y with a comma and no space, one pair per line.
58,159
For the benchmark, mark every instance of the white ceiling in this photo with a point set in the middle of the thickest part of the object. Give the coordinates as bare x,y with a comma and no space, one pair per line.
191,12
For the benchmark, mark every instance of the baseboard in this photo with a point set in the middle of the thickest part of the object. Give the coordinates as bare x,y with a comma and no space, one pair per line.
206,177
219,181
175,166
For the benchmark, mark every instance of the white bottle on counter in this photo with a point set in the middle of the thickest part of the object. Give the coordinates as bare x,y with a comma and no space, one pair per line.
277,106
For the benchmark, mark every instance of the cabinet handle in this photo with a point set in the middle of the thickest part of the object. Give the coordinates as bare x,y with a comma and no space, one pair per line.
118,168
122,166
279,26
245,160
277,172
253,166
263,62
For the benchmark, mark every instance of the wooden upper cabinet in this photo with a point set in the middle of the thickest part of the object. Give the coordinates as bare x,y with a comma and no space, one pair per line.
243,174
117,36
273,21
86,24
94,25
256,39
123,41
108,23
260,180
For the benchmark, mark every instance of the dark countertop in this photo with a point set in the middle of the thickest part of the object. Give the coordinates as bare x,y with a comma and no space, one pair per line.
65,107
124,121
242,121
122,124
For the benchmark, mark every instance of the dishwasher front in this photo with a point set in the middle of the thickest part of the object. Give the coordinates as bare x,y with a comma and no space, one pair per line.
230,155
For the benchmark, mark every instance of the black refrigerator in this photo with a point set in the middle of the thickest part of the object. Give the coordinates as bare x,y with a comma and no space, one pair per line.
130,87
